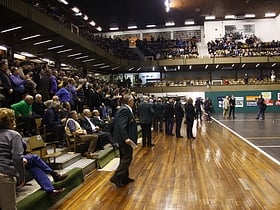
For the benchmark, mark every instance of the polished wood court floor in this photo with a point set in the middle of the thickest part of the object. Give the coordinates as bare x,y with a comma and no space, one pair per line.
217,170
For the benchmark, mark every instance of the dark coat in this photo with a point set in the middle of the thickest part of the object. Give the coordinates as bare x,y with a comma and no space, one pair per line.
145,112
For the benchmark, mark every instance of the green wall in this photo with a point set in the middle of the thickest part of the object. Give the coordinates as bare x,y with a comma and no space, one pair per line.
214,95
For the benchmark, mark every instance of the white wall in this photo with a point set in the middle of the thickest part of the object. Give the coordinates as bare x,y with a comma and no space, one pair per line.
265,29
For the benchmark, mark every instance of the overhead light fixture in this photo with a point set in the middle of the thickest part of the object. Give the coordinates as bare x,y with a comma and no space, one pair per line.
73,55
189,22
150,26
3,48
190,67
92,59
257,65
170,23
179,67
48,60
18,56
250,16
55,47
138,69
99,28
63,1
31,37
270,14
78,58
153,68
27,54
63,51
42,42
206,67
217,66
78,14
11,29
243,65
75,9
114,28
130,69
103,67
98,64
274,64
167,5
115,68
232,65
210,18
230,17
164,68
85,17
132,27
92,23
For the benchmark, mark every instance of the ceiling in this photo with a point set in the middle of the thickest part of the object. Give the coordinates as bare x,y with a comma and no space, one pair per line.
105,12
143,12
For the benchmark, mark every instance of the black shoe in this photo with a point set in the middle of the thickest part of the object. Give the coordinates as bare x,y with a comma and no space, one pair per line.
151,145
116,182
59,177
56,192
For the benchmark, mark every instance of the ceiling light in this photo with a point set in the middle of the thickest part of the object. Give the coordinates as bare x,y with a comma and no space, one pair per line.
273,65
138,69
243,65
78,58
178,67
92,59
75,9
190,67
115,68
55,47
130,69
257,65
189,22
230,17
250,16
11,29
31,37
114,28
79,14
48,60
165,68
167,5
63,51
99,64
27,54
132,27
92,23
72,55
99,28
18,56
206,67
3,48
232,65
85,17
171,23
217,66
153,68
103,67
210,18
42,42
63,1
150,26
270,14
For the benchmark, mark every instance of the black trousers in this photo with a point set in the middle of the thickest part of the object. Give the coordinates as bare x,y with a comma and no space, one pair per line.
178,126
146,134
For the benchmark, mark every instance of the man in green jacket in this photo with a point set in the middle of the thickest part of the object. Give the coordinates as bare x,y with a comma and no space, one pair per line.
23,112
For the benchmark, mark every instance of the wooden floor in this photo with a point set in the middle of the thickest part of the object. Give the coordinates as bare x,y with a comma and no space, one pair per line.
216,171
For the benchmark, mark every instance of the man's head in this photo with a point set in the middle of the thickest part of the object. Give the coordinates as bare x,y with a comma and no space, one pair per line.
129,100
87,113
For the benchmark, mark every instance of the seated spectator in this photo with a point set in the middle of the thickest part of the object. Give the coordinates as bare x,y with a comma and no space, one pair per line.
39,170
246,78
49,102
96,119
87,124
65,111
38,107
23,111
73,129
54,123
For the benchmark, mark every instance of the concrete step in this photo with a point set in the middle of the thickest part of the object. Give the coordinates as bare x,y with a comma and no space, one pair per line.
87,165
65,160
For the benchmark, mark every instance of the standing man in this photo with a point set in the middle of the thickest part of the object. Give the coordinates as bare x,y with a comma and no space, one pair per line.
125,133
232,107
179,114
261,107
146,112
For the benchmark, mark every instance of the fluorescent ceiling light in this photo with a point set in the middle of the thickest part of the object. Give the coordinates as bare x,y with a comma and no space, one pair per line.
243,65
78,58
189,22
3,48
230,17
79,14
167,5
18,56
232,65
85,17
257,65
190,67
11,29
217,66
63,51
92,23
63,1
171,23
250,16
138,69
72,55
75,9
48,60
114,28
132,27
31,37
130,69
92,59
27,54
42,42
55,47
206,67
210,18
115,68
274,64
103,67
99,64
153,68
270,14
99,28
179,67
150,26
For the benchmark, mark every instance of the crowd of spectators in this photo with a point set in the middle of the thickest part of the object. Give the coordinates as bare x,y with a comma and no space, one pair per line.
231,46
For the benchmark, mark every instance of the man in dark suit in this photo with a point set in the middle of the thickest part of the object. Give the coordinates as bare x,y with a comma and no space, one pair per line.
146,112
125,133
179,114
